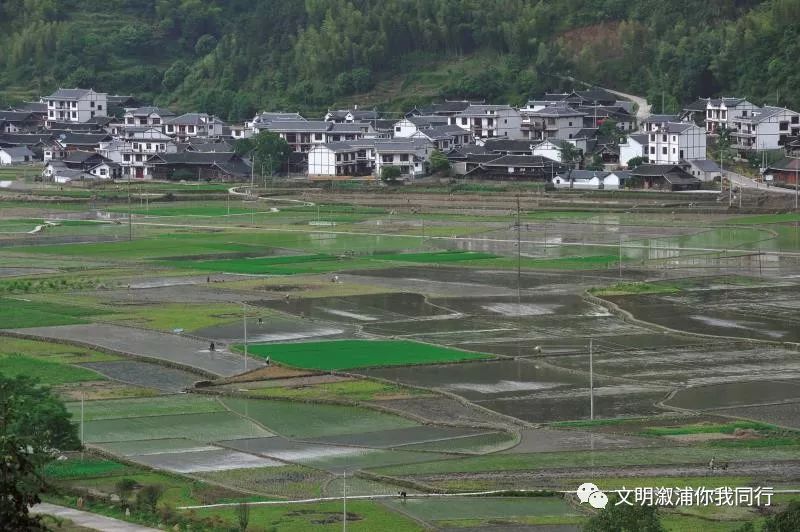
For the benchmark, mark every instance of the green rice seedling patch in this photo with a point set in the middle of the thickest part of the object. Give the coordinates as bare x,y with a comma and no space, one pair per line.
52,352
456,508
707,428
50,373
18,313
90,466
700,454
306,420
46,284
479,444
435,257
589,262
292,481
624,289
151,406
759,219
349,354
200,427
170,316
355,390
164,445
370,458
363,516
254,265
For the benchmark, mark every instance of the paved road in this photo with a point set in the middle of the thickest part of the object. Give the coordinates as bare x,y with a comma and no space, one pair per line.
89,520
746,182
643,110
189,352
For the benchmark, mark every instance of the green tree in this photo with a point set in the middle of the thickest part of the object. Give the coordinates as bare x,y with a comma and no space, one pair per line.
570,154
390,173
439,162
787,520
124,487
267,149
636,161
625,518
147,498
33,422
243,516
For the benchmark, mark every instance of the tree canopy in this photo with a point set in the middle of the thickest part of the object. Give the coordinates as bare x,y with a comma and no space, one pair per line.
232,57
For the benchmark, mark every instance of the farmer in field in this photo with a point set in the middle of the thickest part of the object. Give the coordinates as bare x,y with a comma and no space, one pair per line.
212,347
260,321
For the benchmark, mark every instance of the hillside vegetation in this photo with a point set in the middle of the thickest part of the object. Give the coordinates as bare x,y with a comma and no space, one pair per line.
234,57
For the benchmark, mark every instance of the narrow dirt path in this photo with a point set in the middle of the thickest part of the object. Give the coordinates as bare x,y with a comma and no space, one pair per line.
89,520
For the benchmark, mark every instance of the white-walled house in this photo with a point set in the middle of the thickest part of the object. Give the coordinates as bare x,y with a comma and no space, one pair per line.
766,128
675,142
588,180
191,125
147,116
106,170
552,121
550,148
635,145
719,111
75,105
653,122
443,138
16,155
487,121
410,125
368,157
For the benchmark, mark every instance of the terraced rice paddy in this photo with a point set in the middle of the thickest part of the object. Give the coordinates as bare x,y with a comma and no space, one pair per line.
349,354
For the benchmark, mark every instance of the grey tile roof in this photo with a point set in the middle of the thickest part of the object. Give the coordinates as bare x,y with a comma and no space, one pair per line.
18,152
556,111
501,145
428,120
69,94
82,139
25,139
192,119
522,160
705,165
16,116
641,138
662,118
79,157
583,174
149,110
298,126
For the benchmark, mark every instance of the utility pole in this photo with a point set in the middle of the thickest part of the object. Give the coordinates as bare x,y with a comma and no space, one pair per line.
519,257
796,169
130,211
82,432
591,382
344,501
620,257
244,312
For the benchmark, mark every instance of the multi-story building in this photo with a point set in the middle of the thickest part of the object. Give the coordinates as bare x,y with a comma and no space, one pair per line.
674,142
551,121
147,116
369,156
75,105
766,128
486,121
191,125
719,111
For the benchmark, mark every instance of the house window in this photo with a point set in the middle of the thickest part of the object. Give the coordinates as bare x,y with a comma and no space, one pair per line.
138,158
784,126
463,121
317,136
142,121
795,119
50,114
397,129
681,154
74,114
91,104
156,121
664,150
570,124
126,157
663,138
99,107
404,157
102,171
162,147
129,121
135,145
674,138
744,113
149,146
652,138
673,150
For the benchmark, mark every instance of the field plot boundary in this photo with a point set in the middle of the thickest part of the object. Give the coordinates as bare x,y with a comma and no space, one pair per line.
87,345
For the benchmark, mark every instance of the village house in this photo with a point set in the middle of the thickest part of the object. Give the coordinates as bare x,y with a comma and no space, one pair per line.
348,116
17,155
75,105
192,125
146,116
447,108
719,111
369,156
192,165
635,146
486,121
409,126
444,137
38,143
653,122
704,170
516,167
766,128
551,148
18,122
503,146
303,135
663,177
675,142
553,121
589,180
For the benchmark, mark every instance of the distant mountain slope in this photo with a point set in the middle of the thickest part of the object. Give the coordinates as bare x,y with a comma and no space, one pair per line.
234,57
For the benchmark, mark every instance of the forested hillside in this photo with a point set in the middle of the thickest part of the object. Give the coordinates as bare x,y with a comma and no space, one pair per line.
233,57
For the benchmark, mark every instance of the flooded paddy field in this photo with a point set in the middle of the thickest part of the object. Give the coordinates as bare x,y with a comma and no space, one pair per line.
767,313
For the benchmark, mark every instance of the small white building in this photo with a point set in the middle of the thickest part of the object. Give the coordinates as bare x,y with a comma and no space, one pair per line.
675,142
551,148
552,121
704,169
75,105
147,116
766,128
588,180
635,145
192,125
17,155
364,157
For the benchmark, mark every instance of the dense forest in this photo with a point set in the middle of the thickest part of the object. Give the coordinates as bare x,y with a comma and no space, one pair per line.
233,57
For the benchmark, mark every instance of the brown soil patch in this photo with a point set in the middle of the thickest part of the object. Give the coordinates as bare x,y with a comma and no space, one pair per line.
92,390
266,373
708,436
